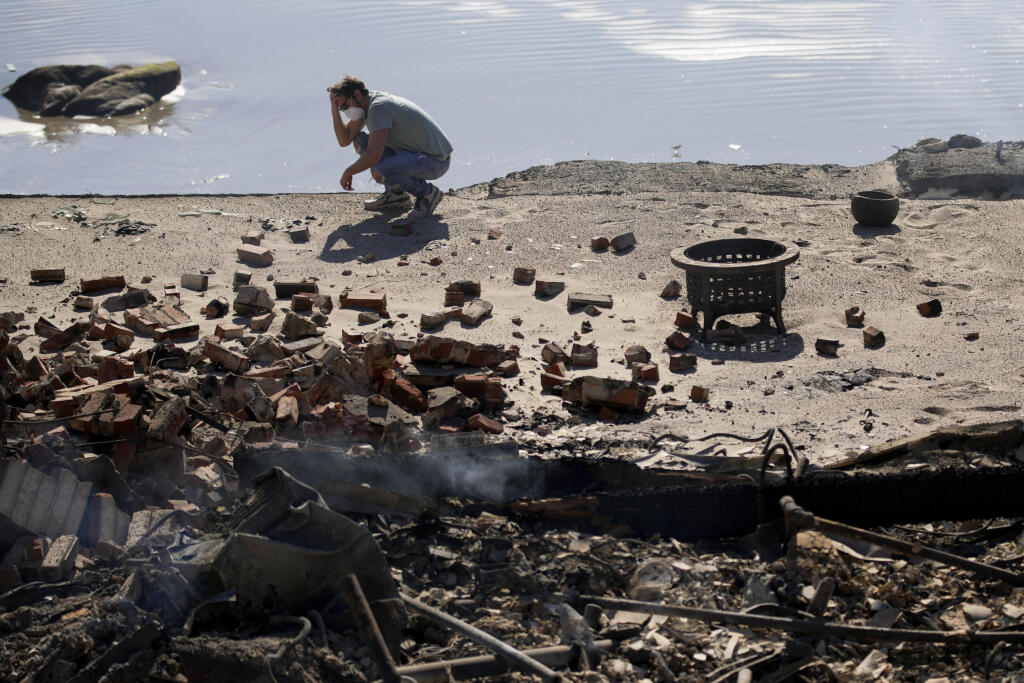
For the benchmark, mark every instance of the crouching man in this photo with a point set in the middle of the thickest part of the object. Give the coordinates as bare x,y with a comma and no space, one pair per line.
403,147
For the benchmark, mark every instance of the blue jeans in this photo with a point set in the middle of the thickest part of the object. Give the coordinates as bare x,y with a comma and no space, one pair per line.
405,171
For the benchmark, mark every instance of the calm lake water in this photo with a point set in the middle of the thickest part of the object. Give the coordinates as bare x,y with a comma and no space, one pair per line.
514,83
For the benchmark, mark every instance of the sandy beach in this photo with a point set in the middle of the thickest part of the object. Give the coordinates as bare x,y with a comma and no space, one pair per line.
964,252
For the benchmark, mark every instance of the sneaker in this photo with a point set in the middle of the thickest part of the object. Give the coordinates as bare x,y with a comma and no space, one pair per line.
430,200
389,199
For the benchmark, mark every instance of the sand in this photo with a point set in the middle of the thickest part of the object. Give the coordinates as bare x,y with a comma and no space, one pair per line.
965,252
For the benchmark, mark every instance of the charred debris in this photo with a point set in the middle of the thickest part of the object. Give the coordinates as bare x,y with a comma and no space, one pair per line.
255,506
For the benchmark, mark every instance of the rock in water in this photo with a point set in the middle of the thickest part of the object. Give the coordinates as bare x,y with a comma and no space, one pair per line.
91,90
30,91
126,91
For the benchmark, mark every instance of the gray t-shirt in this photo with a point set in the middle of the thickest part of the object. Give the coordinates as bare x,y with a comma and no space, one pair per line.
412,129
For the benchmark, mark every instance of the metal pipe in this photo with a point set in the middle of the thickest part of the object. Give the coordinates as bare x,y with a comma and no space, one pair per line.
369,629
819,628
800,518
513,656
488,665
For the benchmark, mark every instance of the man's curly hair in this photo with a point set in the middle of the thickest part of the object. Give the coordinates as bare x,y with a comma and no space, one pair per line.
347,86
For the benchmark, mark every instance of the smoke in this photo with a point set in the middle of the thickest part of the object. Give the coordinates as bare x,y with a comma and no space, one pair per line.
472,473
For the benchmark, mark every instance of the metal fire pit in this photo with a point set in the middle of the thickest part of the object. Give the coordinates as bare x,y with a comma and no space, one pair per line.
741,275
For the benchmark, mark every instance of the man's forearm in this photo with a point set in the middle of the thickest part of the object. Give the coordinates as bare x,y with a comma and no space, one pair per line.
365,161
344,131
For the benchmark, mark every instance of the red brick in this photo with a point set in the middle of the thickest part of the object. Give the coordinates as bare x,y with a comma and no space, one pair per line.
854,317
678,340
454,298
127,420
523,275
549,382
930,308
480,422
481,387
681,362
606,414
599,243
364,298
684,320
47,275
508,368
403,392
873,337
110,281
648,372
699,393
557,369
221,355
672,290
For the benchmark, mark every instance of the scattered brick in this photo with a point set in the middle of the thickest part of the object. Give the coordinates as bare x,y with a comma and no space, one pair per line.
599,243
98,284
684,320
550,382
475,311
47,275
216,308
240,278
606,414
488,390
302,302
228,331
930,309
251,300
854,317
255,255
582,299
197,283
367,318
524,275
299,234
286,289
972,336
454,298
873,337
542,288
436,261
375,299
583,356
637,354
297,327
493,234
827,347
595,392
261,323
699,394
225,357
483,423
552,353
507,368
647,372
254,238
678,340
182,331
470,288
623,242
681,362
672,290
72,333
429,321
83,302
